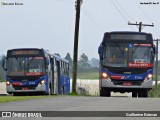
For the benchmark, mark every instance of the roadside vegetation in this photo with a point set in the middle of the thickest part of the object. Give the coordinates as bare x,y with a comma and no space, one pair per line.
88,75
17,98
152,92
154,78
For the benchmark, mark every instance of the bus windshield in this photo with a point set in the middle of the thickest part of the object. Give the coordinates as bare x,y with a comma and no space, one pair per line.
141,54
115,54
26,66
127,55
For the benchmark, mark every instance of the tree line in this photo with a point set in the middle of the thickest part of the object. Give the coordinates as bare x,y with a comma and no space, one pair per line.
84,64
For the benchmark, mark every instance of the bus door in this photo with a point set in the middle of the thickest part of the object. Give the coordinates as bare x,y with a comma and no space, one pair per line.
52,78
58,77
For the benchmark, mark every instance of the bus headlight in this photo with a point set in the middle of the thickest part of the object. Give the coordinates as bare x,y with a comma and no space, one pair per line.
41,83
106,76
8,83
149,76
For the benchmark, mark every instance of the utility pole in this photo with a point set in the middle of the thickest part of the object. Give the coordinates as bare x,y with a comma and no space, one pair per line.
75,53
156,68
140,25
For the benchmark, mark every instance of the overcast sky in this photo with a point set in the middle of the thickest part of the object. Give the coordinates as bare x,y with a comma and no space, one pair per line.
50,24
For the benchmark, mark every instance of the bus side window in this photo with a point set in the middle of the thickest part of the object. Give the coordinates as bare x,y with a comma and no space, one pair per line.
55,69
67,69
61,68
65,72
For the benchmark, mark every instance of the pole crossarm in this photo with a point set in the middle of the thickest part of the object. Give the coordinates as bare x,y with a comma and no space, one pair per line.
140,25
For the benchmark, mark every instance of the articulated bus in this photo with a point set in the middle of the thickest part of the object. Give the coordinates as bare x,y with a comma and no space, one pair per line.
33,70
126,63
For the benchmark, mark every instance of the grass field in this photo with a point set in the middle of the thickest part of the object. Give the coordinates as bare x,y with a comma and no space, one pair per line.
88,75
17,98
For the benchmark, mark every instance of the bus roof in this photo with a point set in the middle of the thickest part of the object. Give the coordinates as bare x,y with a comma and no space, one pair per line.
58,58
127,36
45,51
126,32
27,49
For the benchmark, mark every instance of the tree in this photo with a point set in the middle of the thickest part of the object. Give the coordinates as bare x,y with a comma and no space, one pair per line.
83,64
68,57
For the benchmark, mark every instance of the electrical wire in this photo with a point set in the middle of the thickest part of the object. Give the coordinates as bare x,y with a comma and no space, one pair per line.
144,13
66,1
93,20
124,10
124,18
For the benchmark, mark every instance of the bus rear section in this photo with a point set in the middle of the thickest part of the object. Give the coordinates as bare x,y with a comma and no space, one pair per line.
126,63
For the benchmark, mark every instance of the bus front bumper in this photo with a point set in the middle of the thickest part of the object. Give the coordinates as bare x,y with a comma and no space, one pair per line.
11,89
144,84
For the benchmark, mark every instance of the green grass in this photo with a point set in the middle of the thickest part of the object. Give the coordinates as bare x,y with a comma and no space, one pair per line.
88,75
17,98
73,94
152,92
154,77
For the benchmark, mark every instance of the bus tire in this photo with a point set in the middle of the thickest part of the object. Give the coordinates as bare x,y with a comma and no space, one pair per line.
50,90
16,94
143,93
134,94
104,92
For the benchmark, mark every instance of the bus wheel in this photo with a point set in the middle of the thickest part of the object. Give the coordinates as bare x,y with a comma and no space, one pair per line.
104,92
50,90
134,94
143,93
16,94
63,91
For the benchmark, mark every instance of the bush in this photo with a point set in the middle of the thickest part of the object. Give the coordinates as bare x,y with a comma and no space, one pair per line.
152,92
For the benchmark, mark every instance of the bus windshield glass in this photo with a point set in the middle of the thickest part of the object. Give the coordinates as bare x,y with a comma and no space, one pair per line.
115,54
141,55
26,66
127,55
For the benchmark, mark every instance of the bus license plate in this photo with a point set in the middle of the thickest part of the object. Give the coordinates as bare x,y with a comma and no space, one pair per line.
127,83
25,88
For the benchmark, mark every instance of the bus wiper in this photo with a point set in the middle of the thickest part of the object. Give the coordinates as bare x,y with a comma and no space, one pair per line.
119,47
135,49
28,64
19,63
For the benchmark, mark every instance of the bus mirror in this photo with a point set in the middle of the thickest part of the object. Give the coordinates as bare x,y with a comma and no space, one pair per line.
4,63
47,61
100,52
154,49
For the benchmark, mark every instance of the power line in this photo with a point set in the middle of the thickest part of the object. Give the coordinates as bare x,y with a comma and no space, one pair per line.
124,10
65,1
93,20
144,13
124,18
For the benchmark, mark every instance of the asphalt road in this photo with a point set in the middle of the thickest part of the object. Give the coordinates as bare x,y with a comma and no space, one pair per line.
84,103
